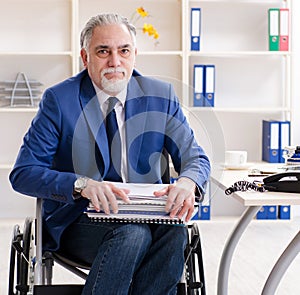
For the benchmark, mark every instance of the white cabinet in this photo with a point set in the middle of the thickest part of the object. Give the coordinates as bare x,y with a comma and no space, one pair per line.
41,38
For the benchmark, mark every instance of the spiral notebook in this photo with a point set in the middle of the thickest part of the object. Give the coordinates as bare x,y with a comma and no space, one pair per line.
144,207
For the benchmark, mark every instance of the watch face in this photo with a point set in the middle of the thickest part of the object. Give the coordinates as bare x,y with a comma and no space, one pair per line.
80,184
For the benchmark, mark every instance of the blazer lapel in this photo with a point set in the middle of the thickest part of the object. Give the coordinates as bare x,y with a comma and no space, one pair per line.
135,109
94,117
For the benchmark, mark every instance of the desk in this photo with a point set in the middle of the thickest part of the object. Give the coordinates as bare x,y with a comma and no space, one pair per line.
253,201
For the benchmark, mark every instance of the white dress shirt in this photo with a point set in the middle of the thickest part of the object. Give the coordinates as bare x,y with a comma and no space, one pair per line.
120,114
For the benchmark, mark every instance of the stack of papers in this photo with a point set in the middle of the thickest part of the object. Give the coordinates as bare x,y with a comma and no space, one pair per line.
144,207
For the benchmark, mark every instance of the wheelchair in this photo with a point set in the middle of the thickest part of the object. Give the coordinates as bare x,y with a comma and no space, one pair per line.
31,271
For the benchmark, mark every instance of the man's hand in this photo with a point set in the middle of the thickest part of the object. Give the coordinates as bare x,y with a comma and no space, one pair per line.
181,198
103,195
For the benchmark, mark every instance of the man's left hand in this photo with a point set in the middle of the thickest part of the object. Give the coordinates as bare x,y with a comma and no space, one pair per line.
181,198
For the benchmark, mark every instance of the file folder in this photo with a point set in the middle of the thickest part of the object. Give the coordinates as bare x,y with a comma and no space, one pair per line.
284,138
270,141
271,212
195,29
284,212
262,213
273,29
284,29
209,86
198,85
205,205
267,212
204,208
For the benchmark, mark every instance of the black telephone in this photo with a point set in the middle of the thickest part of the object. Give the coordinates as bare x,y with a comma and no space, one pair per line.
288,182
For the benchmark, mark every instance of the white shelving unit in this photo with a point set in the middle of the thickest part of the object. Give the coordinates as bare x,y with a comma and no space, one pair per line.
252,83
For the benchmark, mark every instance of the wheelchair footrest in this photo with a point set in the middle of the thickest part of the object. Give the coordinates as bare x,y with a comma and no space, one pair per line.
57,289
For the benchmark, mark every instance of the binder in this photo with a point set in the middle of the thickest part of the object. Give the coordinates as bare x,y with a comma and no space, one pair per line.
262,213
270,141
284,29
204,212
198,81
271,212
204,208
284,138
209,86
273,29
284,212
267,212
195,29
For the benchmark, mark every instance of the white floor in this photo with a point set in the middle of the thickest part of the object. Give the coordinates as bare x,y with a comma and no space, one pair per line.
253,259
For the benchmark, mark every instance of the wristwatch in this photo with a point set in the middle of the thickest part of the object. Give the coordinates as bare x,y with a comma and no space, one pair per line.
80,184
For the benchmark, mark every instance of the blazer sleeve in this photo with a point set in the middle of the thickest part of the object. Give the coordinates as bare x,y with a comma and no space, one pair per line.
33,172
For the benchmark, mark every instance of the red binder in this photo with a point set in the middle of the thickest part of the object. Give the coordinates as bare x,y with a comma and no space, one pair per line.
284,20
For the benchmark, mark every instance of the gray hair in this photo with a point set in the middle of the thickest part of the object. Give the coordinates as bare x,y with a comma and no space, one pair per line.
103,20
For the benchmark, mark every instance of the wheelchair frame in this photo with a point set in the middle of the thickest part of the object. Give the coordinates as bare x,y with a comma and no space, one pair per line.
31,270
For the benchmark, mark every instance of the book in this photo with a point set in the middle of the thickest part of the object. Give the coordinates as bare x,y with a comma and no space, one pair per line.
144,207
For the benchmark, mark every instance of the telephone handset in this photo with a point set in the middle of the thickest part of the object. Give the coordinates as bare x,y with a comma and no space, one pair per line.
288,182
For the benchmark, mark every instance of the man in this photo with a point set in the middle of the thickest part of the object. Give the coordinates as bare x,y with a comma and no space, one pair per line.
67,158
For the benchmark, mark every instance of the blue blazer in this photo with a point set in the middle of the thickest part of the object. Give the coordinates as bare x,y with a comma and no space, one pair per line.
67,138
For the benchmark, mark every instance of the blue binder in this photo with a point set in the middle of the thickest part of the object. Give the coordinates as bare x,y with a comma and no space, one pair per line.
195,28
198,83
209,86
284,138
270,141
284,212
262,213
204,208
204,213
272,212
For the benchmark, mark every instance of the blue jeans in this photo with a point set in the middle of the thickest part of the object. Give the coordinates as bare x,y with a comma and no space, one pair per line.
127,258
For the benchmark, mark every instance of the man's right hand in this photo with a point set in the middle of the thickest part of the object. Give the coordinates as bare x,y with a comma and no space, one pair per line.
103,195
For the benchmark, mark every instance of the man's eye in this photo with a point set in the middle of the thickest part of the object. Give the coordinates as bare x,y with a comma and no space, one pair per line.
125,51
103,52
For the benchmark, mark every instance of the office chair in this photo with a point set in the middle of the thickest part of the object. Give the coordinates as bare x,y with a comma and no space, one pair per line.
31,271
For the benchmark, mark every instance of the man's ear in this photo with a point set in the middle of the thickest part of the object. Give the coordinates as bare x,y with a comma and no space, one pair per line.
83,57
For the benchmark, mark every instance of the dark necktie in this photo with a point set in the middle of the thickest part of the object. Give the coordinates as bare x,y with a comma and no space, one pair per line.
114,142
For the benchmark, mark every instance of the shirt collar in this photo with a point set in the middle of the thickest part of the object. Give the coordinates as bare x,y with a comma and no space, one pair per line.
102,96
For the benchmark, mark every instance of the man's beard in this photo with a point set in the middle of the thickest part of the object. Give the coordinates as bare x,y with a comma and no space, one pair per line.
112,85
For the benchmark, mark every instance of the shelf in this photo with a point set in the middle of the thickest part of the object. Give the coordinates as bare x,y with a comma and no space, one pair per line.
175,52
36,53
241,1
241,110
6,166
18,110
238,53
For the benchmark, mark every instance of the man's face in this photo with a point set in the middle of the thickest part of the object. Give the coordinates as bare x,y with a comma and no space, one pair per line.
110,57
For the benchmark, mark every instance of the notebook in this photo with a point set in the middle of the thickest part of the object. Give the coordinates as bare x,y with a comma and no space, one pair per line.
144,207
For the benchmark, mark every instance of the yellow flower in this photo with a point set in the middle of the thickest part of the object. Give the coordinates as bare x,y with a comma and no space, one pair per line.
142,12
148,28
139,13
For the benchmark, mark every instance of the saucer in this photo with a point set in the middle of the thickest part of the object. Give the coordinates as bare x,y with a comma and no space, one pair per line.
245,166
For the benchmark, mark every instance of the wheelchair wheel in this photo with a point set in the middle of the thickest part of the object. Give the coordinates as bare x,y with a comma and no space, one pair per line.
195,283
21,267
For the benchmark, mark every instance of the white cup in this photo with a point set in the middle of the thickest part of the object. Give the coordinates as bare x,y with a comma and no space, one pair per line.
235,158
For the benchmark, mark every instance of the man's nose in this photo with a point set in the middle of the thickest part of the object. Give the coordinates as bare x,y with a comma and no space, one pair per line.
114,60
